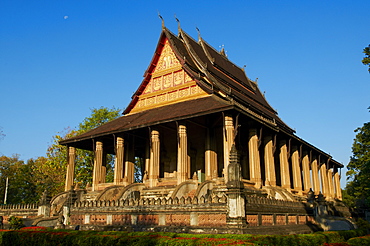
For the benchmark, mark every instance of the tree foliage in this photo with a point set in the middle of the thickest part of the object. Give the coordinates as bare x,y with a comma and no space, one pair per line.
359,167
366,59
20,188
57,154
27,181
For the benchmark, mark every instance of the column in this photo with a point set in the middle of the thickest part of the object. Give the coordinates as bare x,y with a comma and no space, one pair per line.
147,162
297,177
103,170
118,166
284,166
330,184
154,159
315,177
338,190
228,142
254,158
269,162
70,168
306,172
324,179
183,165
129,163
98,162
210,158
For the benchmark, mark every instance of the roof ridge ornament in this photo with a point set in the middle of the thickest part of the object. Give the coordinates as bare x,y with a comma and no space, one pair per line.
222,51
178,24
160,17
199,36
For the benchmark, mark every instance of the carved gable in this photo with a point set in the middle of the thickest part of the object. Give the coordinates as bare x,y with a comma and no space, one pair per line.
168,84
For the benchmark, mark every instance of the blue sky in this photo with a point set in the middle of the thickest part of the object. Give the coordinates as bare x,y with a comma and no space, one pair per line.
59,59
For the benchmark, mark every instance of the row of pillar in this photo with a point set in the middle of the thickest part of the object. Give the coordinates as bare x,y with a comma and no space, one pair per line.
300,168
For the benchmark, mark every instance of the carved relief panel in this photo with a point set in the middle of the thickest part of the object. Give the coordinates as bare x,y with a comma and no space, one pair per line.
169,83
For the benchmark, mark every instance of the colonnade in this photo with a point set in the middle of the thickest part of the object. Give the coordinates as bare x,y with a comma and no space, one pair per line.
299,170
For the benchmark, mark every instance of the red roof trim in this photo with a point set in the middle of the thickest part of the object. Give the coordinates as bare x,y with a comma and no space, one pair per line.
148,73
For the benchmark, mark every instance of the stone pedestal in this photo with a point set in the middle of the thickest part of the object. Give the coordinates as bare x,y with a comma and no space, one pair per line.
235,220
44,204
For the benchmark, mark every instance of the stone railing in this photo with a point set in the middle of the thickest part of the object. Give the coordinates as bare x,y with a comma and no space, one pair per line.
153,202
275,202
19,206
24,211
268,205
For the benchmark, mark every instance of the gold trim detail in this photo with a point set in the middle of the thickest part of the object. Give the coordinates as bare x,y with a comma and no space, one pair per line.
168,84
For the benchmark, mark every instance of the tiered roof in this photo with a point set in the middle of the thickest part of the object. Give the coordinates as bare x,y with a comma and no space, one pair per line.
225,84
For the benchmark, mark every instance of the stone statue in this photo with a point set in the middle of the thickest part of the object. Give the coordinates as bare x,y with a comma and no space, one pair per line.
60,222
45,198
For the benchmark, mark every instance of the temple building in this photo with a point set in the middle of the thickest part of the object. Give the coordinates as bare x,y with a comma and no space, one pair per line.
214,153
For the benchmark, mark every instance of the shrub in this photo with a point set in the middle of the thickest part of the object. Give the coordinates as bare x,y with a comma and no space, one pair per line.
363,225
15,222
359,241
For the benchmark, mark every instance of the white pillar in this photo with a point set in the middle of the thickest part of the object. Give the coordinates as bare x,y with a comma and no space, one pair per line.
306,173
154,159
324,179
70,168
284,166
315,177
210,158
118,166
183,165
297,177
269,162
338,190
228,142
254,158
97,165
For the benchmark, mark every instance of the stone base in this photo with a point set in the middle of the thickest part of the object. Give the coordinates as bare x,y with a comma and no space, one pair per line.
236,225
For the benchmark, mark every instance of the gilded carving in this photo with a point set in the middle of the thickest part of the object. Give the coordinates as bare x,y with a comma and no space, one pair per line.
184,92
178,77
187,78
194,90
167,59
157,84
150,101
172,95
161,98
148,88
167,81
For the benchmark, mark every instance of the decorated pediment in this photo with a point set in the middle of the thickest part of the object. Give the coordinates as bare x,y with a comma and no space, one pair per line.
169,83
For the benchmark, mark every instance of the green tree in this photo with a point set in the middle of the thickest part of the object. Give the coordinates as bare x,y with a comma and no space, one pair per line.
46,175
359,167
57,154
21,188
366,60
